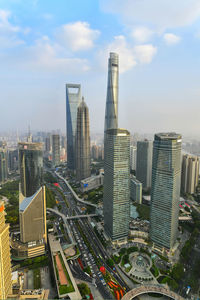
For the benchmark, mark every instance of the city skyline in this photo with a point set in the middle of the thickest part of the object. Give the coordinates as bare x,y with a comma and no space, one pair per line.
158,70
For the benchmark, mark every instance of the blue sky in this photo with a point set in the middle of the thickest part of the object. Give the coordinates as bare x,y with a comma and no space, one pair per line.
46,43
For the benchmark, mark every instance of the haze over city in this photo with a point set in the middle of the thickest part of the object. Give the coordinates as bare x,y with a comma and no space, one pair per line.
45,44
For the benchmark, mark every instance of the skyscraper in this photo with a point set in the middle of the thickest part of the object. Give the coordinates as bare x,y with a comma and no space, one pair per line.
165,192
116,198
189,174
144,163
133,157
82,142
55,150
47,144
111,114
3,165
73,99
5,262
31,167
32,203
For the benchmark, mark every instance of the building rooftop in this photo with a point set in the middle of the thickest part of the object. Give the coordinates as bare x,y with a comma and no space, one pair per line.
118,131
26,201
167,136
30,146
135,179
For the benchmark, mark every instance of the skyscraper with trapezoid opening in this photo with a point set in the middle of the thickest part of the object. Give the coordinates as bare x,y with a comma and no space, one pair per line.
73,99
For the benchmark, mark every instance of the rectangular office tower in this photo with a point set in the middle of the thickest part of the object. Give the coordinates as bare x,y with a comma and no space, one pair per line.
189,174
55,150
165,192
73,99
144,163
116,197
5,262
32,203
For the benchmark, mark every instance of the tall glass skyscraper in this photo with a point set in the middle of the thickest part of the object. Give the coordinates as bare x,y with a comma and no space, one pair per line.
111,114
55,150
116,198
82,142
31,167
73,99
144,163
165,192
32,203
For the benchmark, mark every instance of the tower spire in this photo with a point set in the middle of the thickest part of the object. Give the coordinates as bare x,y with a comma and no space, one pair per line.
111,115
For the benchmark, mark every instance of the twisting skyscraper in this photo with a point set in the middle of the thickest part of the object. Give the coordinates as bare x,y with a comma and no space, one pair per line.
116,194
111,114
165,192
82,142
73,99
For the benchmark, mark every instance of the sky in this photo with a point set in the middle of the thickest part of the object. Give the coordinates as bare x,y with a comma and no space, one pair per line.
45,44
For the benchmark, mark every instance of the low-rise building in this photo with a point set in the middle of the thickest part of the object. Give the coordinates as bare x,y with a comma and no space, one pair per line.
136,190
91,183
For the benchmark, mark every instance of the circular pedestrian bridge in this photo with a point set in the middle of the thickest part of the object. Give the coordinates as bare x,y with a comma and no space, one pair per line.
156,289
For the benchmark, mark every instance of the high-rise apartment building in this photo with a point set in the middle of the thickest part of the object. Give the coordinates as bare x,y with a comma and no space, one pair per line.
116,198
189,173
82,142
47,144
5,262
144,163
32,203
165,192
111,114
73,99
133,156
13,158
3,165
55,150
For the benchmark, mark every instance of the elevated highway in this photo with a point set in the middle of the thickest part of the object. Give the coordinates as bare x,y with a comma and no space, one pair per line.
156,289
71,217
73,192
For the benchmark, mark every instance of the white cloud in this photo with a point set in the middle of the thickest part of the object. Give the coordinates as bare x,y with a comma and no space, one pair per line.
162,14
142,34
78,36
126,56
8,32
5,25
145,53
129,55
47,56
171,39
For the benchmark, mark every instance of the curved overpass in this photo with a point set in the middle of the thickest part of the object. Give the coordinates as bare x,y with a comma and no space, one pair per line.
73,192
158,289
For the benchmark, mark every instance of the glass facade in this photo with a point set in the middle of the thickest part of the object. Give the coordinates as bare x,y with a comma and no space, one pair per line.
116,198
82,142
111,114
31,167
165,193
73,99
144,163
